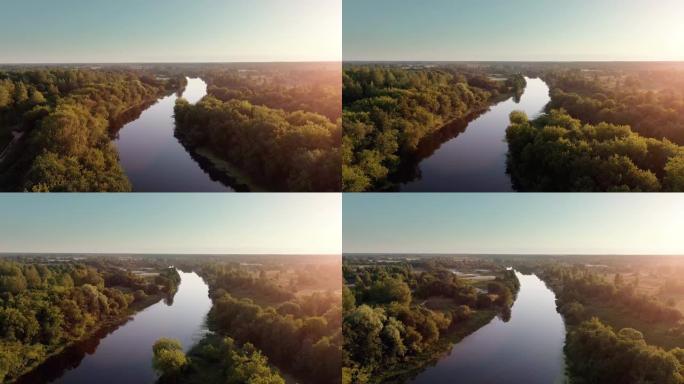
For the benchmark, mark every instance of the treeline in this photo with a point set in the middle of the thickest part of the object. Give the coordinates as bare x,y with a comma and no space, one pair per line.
595,353
389,110
557,152
387,327
579,285
314,90
275,149
650,102
63,117
213,360
44,307
300,334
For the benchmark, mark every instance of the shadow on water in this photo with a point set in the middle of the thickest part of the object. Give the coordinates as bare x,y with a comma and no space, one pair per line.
153,158
70,358
469,155
409,169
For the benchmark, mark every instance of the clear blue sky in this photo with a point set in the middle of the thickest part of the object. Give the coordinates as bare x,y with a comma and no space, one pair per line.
513,30
171,223
169,30
514,223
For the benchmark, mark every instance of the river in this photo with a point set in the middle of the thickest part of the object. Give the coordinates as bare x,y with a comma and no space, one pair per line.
527,349
475,159
124,354
153,158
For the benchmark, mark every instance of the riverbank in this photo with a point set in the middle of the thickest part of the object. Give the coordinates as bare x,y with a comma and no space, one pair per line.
408,169
603,320
407,370
221,169
470,156
492,353
104,328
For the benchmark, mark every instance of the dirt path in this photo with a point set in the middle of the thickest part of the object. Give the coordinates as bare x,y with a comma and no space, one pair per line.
17,135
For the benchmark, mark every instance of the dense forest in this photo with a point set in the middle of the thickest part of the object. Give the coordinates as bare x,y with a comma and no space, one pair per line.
607,129
55,125
389,110
213,360
266,127
275,128
264,312
46,306
401,315
649,100
622,318
557,152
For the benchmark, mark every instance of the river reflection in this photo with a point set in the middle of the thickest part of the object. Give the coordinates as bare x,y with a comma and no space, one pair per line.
153,158
475,160
124,354
527,349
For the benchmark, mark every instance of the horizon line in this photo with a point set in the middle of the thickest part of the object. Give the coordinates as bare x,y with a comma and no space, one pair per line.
2,254
517,61
169,62
504,254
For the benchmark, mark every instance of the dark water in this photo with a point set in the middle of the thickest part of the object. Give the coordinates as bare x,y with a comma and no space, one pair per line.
527,349
125,354
475,160
152,157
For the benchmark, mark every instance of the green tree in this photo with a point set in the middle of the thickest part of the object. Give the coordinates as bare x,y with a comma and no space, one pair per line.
168,359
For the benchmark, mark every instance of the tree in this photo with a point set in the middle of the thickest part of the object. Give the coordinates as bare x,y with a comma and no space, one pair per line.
168,359
389,290
20,93
348,299
37,97
251,367
6,93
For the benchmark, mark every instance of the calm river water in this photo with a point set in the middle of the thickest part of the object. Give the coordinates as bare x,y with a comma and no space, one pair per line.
527,349
475,160
153,158
125,354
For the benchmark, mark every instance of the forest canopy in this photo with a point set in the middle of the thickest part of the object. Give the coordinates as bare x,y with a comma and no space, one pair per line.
45,306
280,128
610,127
62,118
389,110
557,152
398,317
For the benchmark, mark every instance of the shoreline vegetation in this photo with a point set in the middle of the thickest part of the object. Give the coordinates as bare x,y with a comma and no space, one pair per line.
276,129
66,116
608,128
390,109
272,126
619,329
104,328
47,308
270,322
402,315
